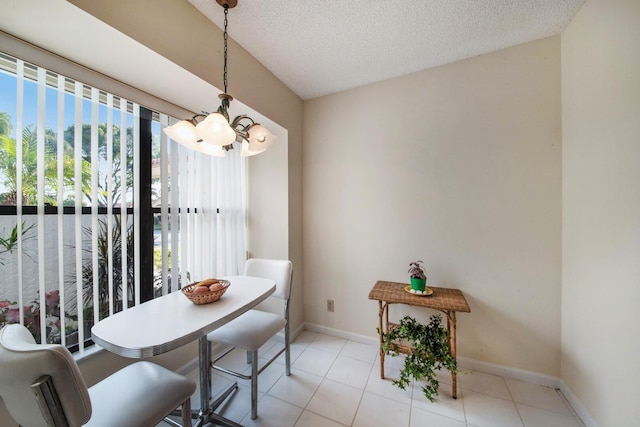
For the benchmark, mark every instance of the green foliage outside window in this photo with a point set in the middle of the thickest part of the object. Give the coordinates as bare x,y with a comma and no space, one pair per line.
9,157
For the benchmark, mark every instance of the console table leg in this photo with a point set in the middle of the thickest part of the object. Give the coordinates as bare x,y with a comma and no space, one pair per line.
451,325
381,310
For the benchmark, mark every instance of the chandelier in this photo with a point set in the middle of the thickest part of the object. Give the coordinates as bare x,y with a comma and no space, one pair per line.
215,133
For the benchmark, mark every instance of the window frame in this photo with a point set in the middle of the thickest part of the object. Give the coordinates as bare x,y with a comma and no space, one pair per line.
144,253
59,65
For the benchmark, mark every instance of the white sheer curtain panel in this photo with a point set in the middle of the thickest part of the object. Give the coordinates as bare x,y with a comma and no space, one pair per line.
203,203
231,248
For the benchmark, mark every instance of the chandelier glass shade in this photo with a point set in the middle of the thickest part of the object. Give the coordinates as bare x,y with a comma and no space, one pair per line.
214,133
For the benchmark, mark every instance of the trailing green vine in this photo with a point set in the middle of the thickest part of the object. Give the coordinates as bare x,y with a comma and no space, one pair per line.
430,352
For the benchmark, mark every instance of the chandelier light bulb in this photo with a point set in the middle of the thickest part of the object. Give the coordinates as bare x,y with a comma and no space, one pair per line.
215,129
210,149
260,139
245,150
183,132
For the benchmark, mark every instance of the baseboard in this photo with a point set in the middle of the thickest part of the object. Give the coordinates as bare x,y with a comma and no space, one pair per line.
481,366
279,337
535,378
509,372
463,362
341,334
577,406
294,333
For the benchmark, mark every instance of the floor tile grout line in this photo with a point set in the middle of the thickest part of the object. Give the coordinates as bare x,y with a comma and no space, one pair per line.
460,395
513,400
314,392
572,411
353,419
324,377
411,406
364,390
558,392
324,416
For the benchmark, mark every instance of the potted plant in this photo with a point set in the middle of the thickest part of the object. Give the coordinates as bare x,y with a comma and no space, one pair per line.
418,276
427,351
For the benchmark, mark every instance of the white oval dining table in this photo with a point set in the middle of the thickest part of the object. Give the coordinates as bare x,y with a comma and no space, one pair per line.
170,321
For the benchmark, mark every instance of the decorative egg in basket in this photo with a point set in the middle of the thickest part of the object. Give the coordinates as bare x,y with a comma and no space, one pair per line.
206,291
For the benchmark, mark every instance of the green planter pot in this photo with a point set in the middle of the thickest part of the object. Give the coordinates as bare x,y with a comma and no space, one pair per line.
418,284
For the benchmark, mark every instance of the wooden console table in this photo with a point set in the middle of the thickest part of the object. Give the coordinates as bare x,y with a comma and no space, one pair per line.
445,300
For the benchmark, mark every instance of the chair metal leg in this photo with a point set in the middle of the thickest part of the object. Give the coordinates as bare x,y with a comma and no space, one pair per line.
287,350
287,335
254,383
186,412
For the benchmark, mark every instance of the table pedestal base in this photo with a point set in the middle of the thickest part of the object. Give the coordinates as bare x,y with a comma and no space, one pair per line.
207,414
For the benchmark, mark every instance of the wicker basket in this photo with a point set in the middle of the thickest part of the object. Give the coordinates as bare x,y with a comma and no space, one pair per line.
205,297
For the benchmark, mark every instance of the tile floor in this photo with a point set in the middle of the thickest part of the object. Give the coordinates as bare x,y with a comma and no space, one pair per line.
336,382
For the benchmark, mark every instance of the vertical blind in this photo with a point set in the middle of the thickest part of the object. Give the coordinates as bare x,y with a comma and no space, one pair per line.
75,258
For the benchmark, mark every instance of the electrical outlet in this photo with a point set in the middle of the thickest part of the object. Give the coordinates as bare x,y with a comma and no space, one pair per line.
330,305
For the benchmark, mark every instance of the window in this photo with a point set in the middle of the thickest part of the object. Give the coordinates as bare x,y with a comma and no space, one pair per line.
99,211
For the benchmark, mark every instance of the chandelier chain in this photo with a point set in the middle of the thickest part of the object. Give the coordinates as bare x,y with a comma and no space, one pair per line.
226,12
215,133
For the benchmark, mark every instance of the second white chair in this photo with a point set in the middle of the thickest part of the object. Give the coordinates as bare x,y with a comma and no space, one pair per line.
254,328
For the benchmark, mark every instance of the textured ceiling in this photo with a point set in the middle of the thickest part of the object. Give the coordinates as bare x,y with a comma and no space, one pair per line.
318,47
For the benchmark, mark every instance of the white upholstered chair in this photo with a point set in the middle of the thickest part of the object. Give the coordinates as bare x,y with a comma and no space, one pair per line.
42,385
254,328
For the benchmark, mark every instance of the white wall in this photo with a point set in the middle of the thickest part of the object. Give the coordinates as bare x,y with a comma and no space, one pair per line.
458,166
601,209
